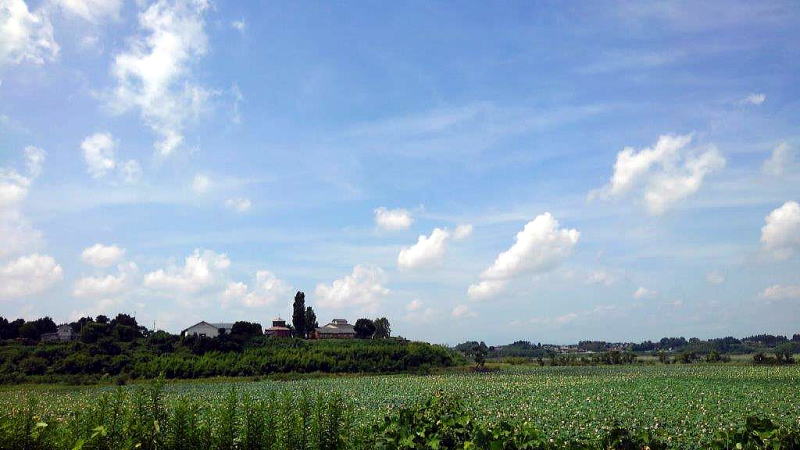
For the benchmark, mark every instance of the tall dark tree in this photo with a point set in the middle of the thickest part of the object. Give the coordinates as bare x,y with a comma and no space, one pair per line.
311,321
364,328
382,328
299,314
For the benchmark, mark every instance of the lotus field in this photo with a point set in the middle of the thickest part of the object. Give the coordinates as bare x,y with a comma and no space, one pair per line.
683,404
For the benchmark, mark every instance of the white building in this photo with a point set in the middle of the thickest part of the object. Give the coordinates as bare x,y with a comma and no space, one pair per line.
206,329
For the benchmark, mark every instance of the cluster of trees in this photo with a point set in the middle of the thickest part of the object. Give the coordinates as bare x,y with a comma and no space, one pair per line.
729,344
120,346
304,322
19,328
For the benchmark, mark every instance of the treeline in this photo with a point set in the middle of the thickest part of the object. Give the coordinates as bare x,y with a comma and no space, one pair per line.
123,349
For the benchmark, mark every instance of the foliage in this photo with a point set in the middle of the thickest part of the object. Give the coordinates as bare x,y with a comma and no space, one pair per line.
311,321
383,329
364,328
198,357
572,407
299,314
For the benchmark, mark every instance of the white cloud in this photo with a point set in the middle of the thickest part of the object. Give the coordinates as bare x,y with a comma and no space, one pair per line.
92,10
34,159
100,255
601,277
539,247
363,287
754,99
558,320
240,205
462,311
668,172
201,183
104,287
414,305
130,171
462,232
781,292
154,74
28,275
780,159
201,270
98,152
715,277
267,290
25,36
486,289
781,234
239,25
642,292
427,251
393,219
17,234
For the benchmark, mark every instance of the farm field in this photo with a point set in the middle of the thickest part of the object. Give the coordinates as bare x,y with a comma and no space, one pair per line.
685,403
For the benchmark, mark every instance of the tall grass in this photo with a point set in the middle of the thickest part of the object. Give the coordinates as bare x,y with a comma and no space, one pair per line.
139,418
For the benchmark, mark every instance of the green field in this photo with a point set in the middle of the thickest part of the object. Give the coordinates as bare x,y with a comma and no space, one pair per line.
685,403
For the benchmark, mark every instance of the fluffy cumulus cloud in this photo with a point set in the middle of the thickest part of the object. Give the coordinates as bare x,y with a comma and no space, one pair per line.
17,234
108,286
393,219
665,173
28,275
92,10
362,288
780,235
428,250
100,255
201,270
462,311
98,152
267,290
239,204
25,36
781,292
153,76
462,232
779,160
539,247
642,293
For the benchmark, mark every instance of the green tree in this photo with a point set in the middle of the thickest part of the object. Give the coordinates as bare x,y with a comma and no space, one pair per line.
382,328
478,353
311,321
784,353
364,328
299,314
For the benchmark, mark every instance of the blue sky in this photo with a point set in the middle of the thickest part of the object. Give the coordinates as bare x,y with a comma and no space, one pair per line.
519,170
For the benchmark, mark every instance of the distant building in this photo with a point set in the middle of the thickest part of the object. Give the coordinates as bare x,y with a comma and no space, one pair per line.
278,328
206,329
337,329
64,333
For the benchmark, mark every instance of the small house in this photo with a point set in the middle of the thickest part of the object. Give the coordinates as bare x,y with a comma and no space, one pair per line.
278,328
337,329
205,329
64,333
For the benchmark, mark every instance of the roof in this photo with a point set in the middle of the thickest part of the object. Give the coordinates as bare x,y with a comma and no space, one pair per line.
334,328
217,325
